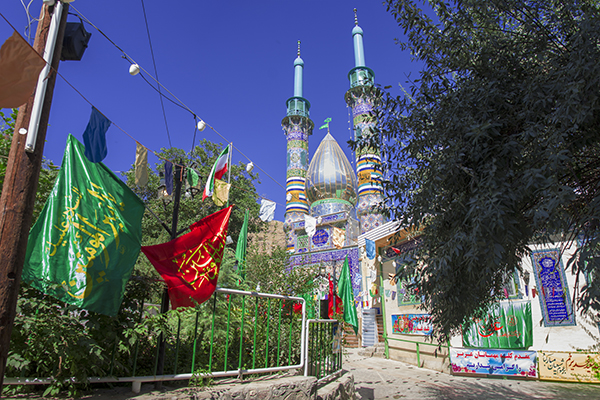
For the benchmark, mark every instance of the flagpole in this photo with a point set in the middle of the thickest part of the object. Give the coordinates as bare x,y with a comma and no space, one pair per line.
164,305
229,169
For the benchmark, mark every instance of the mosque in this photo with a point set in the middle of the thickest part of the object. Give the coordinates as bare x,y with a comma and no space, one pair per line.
327,187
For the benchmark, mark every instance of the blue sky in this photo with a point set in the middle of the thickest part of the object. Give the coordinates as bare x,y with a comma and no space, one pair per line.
230,62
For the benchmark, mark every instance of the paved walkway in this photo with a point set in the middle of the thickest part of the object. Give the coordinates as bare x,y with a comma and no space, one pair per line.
377,378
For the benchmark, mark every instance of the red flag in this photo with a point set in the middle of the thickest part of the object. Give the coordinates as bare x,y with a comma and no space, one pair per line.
338,301
397,251
190,263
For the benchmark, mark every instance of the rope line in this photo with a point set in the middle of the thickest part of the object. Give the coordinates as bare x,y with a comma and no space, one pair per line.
121,129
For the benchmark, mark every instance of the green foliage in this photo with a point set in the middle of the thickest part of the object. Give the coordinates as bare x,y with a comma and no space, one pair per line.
48,173
495,146
53,339
271,272
191,207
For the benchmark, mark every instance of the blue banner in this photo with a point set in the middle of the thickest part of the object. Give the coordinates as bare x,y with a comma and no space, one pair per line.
552,286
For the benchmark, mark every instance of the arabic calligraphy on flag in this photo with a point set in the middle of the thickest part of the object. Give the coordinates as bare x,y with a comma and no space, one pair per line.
493,362
85,243
507,325
190,263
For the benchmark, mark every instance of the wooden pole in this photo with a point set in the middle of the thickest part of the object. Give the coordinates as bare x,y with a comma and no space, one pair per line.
19,190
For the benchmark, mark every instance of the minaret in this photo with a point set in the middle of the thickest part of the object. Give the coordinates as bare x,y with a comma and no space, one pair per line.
360,98
297,127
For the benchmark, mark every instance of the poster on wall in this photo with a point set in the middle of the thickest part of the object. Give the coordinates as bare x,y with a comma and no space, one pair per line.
412,324
563,366
493,362
552,286
507,325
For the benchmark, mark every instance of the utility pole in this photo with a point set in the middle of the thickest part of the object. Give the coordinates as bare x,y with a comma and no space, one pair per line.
20,185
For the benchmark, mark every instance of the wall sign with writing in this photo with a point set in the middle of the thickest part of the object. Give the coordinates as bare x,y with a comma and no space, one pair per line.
412,324
552,286
320,238
563,366
493,362
507,325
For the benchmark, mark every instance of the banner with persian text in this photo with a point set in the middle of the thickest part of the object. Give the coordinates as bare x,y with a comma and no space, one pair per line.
564,366
412,324
507,325
493,362
551,281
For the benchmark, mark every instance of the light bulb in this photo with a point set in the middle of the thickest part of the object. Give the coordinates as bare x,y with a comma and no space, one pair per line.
134,69
201,125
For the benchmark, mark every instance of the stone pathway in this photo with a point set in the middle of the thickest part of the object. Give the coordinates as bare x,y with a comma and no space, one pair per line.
377,378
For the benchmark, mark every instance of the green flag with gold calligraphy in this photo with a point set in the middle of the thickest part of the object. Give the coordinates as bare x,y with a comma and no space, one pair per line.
83,246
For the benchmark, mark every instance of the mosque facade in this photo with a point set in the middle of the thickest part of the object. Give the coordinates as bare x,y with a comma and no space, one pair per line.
329,203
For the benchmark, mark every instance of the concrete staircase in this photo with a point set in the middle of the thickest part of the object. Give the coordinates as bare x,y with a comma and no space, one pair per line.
350,338
380,328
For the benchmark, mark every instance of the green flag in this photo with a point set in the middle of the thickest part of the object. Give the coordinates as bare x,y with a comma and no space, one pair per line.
240,250
83,246
310,305
345,292
506,325
326,125
192,177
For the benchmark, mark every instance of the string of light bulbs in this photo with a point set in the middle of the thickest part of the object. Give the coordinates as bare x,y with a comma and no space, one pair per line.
136,68
201,124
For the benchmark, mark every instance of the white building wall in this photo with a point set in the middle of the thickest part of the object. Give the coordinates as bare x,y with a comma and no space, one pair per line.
545,338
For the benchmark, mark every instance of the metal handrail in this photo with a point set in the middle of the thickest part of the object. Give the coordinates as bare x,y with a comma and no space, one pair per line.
137,380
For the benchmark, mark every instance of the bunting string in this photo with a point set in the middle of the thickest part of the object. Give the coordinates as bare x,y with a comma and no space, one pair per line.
177,102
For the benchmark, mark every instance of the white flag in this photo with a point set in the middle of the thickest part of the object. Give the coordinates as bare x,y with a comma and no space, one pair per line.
267,210
310,225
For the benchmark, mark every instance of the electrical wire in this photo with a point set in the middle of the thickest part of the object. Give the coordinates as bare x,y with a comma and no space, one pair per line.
30,19
183,105
162,104
125,132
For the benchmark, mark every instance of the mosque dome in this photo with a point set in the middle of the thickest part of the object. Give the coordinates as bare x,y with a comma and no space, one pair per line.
298,61
330,175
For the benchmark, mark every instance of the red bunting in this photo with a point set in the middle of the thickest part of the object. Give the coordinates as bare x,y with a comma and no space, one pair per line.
190,263
397,251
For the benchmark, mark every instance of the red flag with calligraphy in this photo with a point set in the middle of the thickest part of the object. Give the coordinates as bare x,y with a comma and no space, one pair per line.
190,263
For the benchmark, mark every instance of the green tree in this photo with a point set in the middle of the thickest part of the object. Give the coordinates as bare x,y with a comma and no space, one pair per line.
192,208
495,145
48,172
270,271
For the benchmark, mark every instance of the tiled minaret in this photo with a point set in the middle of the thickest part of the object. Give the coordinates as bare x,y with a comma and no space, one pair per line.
360,98
297,127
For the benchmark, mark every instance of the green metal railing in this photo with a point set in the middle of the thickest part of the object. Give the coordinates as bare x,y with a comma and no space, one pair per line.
324,348
265,332
418,344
